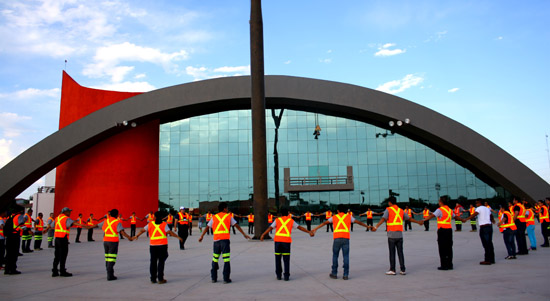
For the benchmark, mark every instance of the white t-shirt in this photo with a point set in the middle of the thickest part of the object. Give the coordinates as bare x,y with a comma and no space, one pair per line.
484,215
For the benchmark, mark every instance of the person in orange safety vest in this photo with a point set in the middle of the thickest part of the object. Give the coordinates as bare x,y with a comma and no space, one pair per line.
112,227
369,214
158,247
221,223
444,215
341,236
283,230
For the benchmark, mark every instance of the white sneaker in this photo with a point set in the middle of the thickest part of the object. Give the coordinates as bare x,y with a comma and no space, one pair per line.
402,273
390,273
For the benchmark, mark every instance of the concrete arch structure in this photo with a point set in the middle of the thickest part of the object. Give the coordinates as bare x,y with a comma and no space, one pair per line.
454,140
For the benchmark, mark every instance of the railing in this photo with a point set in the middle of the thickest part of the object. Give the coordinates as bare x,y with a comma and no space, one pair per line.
326,180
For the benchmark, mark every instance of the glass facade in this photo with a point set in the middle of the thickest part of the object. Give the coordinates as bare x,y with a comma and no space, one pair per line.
208,158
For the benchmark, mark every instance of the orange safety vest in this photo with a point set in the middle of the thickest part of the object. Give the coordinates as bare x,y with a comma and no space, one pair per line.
150,217
521,214
369,214
409,212
543,215
78,221
182,218
157,234
395,218
270,218
510,223
208,217
110,226
284,229
40,225
445,221
457,211
425,213
90,221
189,217
308,216
133,220
28,222
343,223
16,226
472,210
1,229
530,220
251,218
221,225
61,230
328,214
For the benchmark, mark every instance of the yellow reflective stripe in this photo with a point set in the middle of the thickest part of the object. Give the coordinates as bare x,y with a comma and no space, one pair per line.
226,257
57,223
449,216
340,222
109,227
397,220
155,231
220,224
215,257
283,226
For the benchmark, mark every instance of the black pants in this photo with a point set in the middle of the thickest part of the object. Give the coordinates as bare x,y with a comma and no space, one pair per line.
2,251
37,240
520,237
190,229
426,225
111,252
133,230
250,228
369,223
51,233
308,223
222,251
90,234
26,241
78,231
61,252
486,236
183,232
12,252
408,224
473,224
393,245
282,251
445,244
545,232
233,229
330,225
159,254
458,226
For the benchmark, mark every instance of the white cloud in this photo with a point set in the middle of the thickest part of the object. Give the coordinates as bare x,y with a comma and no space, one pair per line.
329,51
325,61
127,87
108,58
141,75
11,124
6,152
440,35
385,50
397,86
500,38
287,62
200,73
32,93
453,90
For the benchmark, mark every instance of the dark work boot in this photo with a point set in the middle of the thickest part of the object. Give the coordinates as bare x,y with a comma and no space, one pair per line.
55,273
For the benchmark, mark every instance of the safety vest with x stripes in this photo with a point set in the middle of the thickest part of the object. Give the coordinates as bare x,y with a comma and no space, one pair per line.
110,227
283,230
395,218
157,234
342,224
61,229
221,224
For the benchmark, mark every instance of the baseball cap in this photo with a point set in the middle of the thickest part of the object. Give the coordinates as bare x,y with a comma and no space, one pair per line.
65,209
181,208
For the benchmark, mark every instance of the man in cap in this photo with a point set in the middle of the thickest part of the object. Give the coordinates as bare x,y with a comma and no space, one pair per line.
182,220
62,229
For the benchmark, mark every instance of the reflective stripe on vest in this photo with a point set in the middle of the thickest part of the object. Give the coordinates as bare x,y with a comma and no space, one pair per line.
1,229
543,215
369,214
133,219
328,214
472,210
182,218
150,217
284,229
270,218
208,217
221,225
521,214
409,212
40,225
510,222
445,220
341,230
61,226
251,218
395,218
157,234
110,233
308,216
28,222
425,213
530,220
499,215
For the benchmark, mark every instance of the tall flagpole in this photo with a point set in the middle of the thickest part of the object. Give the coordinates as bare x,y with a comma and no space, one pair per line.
259,149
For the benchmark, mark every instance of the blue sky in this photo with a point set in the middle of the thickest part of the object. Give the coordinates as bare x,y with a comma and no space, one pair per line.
482,63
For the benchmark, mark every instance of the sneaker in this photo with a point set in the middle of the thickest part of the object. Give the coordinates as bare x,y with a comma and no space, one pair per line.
279,278
345,278
403,273
442,268
390,273
532,249
112,278
545,246
214,280
485,263
65,274
163,281
287,278
153,281
55,273
332,276
227,281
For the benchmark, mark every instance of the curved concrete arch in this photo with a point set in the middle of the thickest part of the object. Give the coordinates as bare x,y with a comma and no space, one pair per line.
465,146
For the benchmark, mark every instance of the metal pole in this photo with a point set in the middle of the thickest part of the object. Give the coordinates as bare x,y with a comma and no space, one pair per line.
259,149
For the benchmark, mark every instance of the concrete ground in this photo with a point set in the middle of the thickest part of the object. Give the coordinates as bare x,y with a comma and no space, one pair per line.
253,272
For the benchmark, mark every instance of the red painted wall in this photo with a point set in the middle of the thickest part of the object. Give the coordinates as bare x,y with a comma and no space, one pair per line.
120,172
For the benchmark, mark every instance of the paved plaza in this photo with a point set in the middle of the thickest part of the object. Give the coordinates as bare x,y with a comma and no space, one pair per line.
253,272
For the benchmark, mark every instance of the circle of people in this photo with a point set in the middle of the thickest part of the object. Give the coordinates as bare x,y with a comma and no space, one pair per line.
514,220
